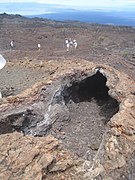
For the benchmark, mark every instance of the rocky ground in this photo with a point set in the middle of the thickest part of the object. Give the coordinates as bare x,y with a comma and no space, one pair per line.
96,143
110,45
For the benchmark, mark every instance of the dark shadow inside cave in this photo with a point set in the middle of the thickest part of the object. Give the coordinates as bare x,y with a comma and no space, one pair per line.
94,86
93,89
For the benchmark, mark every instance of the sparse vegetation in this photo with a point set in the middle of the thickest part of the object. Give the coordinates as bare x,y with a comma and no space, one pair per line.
126,54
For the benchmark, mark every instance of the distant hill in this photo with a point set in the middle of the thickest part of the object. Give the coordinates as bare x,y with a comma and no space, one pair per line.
10,16
93,16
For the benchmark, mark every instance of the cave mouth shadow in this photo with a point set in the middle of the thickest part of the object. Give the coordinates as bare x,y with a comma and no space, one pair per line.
90,89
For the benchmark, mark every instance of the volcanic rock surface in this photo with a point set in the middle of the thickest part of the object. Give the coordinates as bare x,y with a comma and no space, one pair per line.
62,117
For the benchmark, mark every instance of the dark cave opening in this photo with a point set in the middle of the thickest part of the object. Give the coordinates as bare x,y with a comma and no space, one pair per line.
94,86
94,89
91,107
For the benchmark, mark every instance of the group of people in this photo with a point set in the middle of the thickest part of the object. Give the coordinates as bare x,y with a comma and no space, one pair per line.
70,43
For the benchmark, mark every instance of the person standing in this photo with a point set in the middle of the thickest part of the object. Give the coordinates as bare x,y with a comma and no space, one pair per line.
75,43
39,46
11,44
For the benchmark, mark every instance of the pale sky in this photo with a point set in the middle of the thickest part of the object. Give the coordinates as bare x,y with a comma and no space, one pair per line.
86,3
105,5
